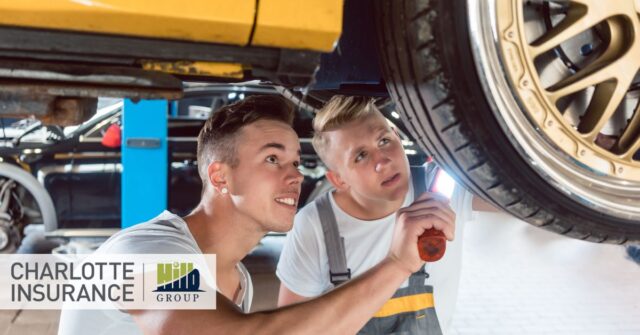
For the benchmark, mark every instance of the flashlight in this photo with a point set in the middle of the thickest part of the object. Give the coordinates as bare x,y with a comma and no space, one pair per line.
432,243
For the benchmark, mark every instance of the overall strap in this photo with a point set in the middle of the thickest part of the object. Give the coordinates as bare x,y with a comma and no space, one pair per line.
417,279
338,271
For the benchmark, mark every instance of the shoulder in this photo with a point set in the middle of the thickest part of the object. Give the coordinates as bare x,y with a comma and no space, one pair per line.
163,234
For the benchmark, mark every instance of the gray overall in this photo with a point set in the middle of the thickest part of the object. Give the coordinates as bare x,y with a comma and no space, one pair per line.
409,311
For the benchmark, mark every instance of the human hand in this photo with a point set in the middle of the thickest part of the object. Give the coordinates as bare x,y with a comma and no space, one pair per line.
430,210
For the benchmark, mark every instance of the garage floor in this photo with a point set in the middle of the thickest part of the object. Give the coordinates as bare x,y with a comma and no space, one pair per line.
516,279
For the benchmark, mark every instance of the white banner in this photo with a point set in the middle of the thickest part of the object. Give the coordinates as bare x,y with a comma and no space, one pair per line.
116,281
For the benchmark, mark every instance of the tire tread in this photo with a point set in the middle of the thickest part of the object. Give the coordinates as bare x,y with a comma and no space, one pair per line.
412,63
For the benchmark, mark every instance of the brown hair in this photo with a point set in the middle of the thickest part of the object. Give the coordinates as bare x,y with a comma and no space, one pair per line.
339,111
217,137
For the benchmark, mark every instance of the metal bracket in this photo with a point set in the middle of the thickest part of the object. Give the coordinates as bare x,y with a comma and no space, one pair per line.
146,143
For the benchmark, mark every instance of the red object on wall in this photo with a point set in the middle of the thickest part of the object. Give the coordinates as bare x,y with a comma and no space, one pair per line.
112,137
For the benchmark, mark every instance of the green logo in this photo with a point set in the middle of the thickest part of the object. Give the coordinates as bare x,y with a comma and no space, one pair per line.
177,277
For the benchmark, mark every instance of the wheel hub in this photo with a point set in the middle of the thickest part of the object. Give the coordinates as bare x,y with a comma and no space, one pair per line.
601,84
569,100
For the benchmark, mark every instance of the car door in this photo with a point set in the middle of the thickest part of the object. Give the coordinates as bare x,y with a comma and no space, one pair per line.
185,184
95,178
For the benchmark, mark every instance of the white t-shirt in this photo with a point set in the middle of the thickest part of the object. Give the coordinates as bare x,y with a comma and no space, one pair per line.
142,238
304,266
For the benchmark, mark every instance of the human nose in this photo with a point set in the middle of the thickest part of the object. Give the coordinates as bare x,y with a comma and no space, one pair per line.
294,176
382,161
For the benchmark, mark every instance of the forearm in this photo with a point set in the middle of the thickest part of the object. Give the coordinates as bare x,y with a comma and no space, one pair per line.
287,297
226,319
479,204
342,311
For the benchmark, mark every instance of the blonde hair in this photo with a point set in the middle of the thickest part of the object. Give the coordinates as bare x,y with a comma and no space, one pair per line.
336,113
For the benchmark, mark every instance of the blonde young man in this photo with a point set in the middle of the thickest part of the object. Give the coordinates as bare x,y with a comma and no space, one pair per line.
370,172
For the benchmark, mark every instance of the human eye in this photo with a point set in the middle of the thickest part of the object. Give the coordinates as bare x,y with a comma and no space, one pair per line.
384,141
361,155
273,159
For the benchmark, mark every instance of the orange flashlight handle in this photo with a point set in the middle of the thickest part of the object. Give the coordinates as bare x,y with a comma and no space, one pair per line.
431,245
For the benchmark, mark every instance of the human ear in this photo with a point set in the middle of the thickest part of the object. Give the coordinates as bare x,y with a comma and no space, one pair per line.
216,172
335,180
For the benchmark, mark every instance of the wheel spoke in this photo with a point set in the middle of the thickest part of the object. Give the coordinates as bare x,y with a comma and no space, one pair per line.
610,75
632,150
613,64
629,142
594,74
581,16
606,99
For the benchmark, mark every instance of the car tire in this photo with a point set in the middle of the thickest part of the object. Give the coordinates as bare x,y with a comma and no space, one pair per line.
40,197
429,67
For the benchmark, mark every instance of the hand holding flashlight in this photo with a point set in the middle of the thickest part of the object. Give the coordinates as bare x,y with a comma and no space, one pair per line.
433,242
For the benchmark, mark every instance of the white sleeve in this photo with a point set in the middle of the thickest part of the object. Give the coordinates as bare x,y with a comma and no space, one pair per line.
462,204
139,243
302,267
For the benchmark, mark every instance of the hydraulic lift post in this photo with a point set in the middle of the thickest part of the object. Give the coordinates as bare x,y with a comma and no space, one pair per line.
144,160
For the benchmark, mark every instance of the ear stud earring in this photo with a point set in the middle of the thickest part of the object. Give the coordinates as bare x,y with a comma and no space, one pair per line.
224,190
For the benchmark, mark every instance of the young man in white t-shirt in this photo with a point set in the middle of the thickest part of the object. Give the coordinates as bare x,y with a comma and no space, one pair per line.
370,172
248,157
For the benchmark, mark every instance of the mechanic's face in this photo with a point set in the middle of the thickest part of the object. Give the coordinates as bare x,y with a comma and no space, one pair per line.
367,155
266,183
